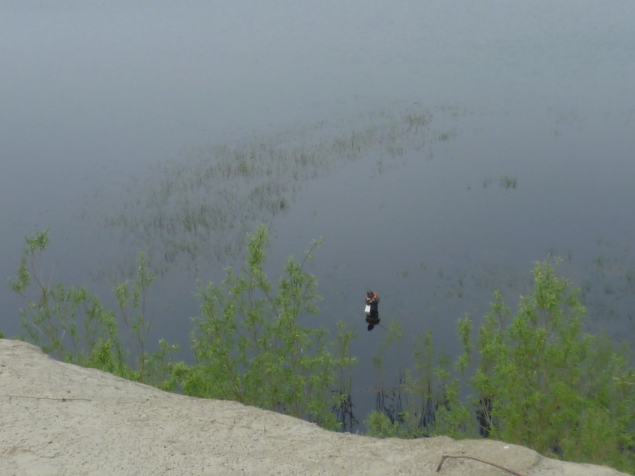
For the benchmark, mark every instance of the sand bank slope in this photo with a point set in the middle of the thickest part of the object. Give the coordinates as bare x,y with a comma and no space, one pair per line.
87,422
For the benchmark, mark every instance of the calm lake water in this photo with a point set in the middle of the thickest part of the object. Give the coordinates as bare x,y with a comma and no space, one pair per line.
438,148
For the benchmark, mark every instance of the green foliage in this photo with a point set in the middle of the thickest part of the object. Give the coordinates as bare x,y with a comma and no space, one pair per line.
537,379
393,338
67,322
248,343
341,348
425,402
250,346
380,426
544,384
131,298
73,325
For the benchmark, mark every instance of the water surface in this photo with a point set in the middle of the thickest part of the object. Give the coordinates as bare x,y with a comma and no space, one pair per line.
447,147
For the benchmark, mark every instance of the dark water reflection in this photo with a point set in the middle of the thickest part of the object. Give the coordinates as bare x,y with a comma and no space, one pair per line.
439,149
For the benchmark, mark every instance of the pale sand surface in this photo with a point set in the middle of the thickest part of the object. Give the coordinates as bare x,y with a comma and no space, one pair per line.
93,423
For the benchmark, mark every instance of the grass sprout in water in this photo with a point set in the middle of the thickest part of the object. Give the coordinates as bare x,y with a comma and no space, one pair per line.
202,205
508,182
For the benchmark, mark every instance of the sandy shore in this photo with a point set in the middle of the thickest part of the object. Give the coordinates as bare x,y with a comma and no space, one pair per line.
60,419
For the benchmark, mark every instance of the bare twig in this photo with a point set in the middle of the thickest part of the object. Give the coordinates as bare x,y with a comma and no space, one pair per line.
444,457
48,398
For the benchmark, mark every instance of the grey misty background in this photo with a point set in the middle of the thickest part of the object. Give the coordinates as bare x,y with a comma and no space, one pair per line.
104,103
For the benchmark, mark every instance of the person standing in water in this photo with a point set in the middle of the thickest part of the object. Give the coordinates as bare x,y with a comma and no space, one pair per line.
372,309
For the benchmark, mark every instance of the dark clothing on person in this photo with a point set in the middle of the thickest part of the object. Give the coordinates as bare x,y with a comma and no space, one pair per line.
372,316
372,321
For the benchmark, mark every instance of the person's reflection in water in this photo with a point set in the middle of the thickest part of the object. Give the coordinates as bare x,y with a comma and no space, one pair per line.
372,310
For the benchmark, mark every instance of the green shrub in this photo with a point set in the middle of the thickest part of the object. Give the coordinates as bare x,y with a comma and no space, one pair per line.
378,425
542,383
73,325
425,400
250,345
537,380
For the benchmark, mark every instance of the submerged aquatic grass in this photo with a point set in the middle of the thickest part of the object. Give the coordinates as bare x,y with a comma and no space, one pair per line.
202,205
508,182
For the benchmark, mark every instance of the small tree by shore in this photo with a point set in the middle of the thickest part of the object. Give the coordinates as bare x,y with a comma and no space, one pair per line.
536,379
253,343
